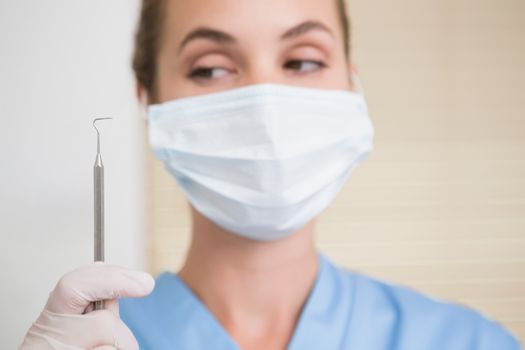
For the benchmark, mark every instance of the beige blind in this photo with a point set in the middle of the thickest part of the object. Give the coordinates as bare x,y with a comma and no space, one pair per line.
440,205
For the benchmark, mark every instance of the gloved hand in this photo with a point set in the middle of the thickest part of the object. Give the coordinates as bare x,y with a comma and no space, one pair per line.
68,321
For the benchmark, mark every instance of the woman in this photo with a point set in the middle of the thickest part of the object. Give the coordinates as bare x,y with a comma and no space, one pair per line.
253,111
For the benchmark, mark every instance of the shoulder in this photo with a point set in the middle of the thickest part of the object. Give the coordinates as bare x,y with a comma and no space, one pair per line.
154,319
143,314
411,317
166,287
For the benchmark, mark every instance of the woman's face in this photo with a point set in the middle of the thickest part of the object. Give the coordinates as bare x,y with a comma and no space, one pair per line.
213,45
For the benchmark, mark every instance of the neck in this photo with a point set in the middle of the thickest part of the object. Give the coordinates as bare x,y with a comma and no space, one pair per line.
256,290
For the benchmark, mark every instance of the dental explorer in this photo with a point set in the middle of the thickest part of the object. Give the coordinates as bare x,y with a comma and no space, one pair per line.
98,177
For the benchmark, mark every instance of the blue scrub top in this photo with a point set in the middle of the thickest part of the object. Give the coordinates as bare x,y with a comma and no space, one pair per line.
345,310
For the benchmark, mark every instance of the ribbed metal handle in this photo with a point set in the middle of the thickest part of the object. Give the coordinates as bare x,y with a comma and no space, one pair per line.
98,176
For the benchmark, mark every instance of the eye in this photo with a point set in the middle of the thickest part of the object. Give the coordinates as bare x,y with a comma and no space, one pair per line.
304,66
208,73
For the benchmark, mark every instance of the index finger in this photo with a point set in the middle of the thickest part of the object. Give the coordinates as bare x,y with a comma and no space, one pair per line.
98,281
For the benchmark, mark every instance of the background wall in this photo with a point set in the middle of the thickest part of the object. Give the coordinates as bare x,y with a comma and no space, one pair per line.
62,63
440,205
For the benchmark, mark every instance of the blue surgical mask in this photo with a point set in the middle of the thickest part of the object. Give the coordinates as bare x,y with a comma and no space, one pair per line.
262,161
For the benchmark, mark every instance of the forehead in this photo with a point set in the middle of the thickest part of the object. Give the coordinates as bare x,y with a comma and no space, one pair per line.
248,19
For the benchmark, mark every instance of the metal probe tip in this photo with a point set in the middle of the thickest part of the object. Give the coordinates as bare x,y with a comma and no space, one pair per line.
98,133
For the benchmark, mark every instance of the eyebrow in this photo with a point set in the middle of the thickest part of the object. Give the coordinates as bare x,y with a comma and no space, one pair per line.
225,38
305,27
207,33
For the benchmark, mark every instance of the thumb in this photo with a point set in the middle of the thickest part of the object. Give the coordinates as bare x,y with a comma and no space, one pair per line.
76,290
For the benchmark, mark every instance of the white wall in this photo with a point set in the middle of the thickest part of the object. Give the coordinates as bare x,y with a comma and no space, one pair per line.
62,63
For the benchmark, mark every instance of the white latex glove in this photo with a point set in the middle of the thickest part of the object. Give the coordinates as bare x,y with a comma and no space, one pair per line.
68,321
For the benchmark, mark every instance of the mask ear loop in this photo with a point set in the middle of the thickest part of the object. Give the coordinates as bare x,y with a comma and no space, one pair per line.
143,105
358,85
